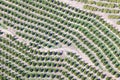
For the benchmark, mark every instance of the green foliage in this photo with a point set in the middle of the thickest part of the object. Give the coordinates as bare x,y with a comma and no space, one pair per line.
66,25
104,10
114,16
3,26
118,22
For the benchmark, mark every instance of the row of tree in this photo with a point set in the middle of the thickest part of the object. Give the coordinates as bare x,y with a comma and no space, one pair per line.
92,8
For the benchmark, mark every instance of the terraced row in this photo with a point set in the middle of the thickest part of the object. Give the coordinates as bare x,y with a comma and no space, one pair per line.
22,64
112,9
53,24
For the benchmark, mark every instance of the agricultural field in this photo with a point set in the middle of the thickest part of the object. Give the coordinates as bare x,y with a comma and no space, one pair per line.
59,39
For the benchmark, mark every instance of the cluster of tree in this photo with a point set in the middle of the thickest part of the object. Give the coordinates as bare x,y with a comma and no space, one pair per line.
102,4
116,1
118,5
114,16
1,32
92,8
118,22
84,1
